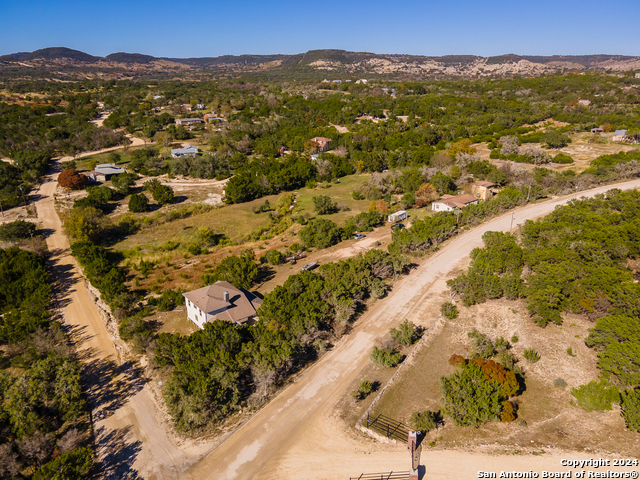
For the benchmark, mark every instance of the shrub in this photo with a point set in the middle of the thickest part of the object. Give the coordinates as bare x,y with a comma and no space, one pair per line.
124,182
151,185
168,300
531,355
324,205
449,310
364,389
163,194
274,257
423,421
570,352
560,382
406,334
138,202
630,403
385,356
514,339
72,179
596,396
562,158
16,230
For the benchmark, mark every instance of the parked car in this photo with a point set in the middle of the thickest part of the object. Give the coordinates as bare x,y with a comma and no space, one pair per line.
397,225
309,266
359,236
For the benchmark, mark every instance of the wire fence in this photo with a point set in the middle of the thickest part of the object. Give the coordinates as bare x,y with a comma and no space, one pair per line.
383,476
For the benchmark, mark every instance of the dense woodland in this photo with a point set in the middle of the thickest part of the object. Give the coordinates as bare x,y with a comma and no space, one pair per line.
43,413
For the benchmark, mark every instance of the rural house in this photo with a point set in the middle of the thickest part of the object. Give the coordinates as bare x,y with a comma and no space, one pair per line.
322,143
184,151
619,135
188,121
482,190
221,301
104,172
211,117
449,203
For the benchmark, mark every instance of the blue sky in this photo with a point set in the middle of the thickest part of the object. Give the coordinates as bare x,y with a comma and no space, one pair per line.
196,28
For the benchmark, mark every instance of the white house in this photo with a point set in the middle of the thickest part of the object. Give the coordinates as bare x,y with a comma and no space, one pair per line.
221,301
449,203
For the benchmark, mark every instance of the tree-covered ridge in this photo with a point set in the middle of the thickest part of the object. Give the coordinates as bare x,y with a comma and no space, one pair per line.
42,407
217,370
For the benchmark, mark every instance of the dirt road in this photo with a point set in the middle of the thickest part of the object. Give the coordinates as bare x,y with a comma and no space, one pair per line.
292,437
132,441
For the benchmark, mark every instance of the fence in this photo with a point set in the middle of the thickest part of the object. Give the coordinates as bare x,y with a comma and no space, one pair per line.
389,427
383,476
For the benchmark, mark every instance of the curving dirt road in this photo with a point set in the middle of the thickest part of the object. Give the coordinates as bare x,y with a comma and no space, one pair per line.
131,440
291,437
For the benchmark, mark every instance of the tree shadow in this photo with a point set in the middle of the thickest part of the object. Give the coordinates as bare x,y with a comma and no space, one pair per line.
265,273
117,453
179,199
110,385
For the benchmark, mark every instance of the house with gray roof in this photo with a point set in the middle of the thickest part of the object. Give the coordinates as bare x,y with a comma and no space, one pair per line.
186,150
619,135
104,172
221,301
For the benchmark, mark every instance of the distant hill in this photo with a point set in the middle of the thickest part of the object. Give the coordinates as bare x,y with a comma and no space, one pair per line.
122,57
328,63
55,53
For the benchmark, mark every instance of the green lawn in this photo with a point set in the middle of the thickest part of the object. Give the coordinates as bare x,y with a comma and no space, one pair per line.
83,163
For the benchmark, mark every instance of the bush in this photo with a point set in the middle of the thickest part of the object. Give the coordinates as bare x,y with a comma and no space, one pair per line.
72,179
514,339
596,396
449,310
16,230
138,202
406,334
385,356
274,257
560,382
423,421
124,182
163,194
324,205
320,233
364,389
169,300
531,355
630,403
562,158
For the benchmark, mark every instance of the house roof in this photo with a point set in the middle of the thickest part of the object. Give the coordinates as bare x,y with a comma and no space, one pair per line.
186,150
108,169
242,304
321,139
484,184
188,119
457,201
620,132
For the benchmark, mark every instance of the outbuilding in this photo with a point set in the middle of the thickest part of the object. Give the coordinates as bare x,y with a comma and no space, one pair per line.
398,216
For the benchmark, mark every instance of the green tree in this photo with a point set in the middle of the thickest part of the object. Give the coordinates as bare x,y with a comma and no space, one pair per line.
324,205
596,396
124,182
16,230
72,465
423,421
442,183
163,194
630,403
138,202
406,334
555,139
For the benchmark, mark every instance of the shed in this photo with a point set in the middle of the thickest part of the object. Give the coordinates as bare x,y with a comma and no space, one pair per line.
104,172
619,135
186,150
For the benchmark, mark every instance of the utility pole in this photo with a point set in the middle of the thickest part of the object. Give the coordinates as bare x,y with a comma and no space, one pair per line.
457,215
513,217
1,210
529,194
